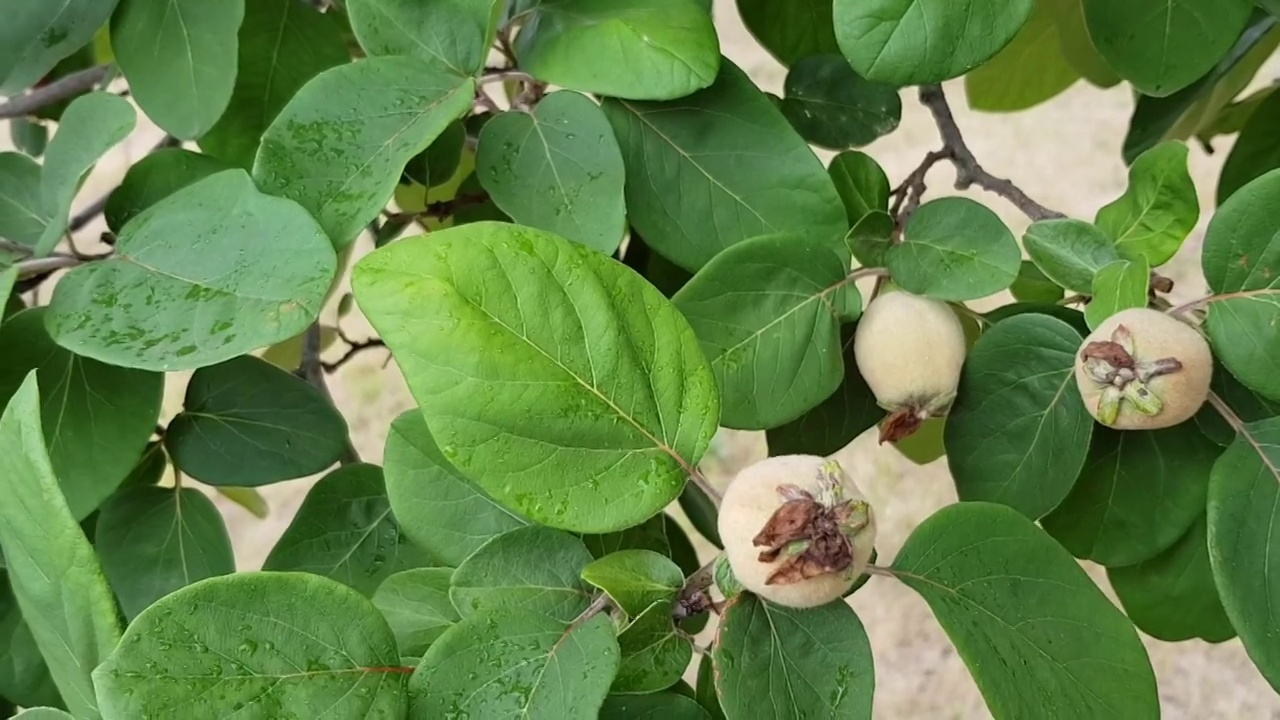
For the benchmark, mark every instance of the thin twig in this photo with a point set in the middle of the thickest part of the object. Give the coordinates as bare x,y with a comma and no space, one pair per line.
702,482
1242,430
1198,302
440,208
906,197
76,83
40,266
353,349
865,272
312,370
880,570
492,75
601,604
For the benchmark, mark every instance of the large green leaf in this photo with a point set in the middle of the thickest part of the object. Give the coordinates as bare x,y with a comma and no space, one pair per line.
97,418
192,283
246,422
1256,152
37,34
1159,208
1137,496
516,664
1018,433
154,540
344,531
654,654
915,42
832,106
1031,69
283,44
836,421
954,249
1069,252
441,510
339,145
1162,46
1244,514
154,178
638,49
1039,637
22,214
493,324
258,644
1033,285
1119,285
179,57
52,568
791,30
767,313
455,35
532,569
719,167
654,706
557,168
635,579
417,607
778,663
24,676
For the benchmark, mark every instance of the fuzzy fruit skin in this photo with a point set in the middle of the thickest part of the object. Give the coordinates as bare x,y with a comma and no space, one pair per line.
1155,336
909,349
751,500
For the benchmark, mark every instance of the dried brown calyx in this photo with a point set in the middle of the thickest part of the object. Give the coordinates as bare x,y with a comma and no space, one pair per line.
906,420
1112,364
815,538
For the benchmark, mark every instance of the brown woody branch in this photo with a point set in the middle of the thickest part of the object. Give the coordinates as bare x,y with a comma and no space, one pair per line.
312,370
76,83
353,349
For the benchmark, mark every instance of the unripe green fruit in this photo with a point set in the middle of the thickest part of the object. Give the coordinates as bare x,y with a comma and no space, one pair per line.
1145,371
753,499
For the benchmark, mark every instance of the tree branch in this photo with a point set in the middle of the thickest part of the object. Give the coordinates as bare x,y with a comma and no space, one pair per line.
312,370
353,349
76,83
440,208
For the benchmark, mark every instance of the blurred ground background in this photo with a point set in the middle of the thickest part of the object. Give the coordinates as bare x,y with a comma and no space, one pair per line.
1065,154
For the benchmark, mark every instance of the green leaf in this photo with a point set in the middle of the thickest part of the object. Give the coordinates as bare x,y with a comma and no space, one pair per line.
926,444
1172,597
192,283
649,535
1256,152
453,35
655,706
154,540
37,34
557,168
1018,433
97,417
1158,210
1118,286
22,214
417,607
179,57
832,106
1031,69
654,656
28,136
1162,46
246,422
833,424
719,167
638,49
149,469
52,568
954,249
44,713
767,313
702,512
24,677
1244,512
1245,403
339,145
705,692
1036,633
516,664
1137,496
1076,45
861,183
916,42
270,644
437,507
635,579
1069,252
793,30
1074,318
1033,285
611,369
534,569
154,178
91,125
774,662
344,531
871,238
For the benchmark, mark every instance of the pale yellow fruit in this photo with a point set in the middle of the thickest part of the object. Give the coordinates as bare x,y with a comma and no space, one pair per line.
909,349
751,500
1155,336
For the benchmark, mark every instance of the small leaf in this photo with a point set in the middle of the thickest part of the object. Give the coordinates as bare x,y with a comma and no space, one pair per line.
862,185
153,541
719,167
457,310
649,535
339,145
843,416
266,643
1171,596
417,607
793,30
1069,252
635,579
441,510
639,49
532,569
778,663
1256,152
917,42
654,656
702,512
248,423
655,706
926,444
248,498
1033,629
1018,433
22,214
1120,285
179,57
767,313
833,107
1031,69
37,34
954,249
705,692
28,137
52,568
344,531
1158,210
453,35
1077,47
91,125
516,664
1248,405
557,168
154,178
870,239
1033,285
